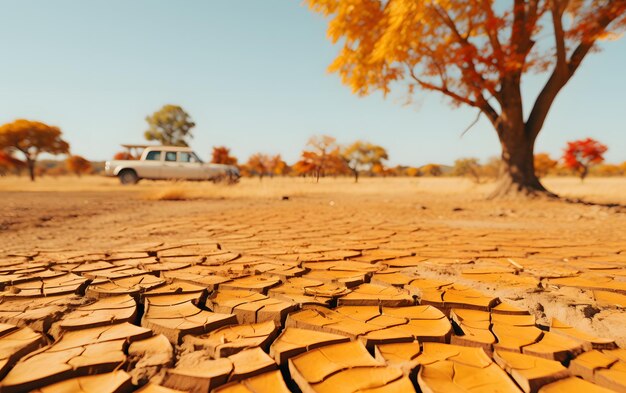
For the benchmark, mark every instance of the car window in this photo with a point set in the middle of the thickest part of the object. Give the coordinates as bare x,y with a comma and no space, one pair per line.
170,156
186,157
196,158
153,156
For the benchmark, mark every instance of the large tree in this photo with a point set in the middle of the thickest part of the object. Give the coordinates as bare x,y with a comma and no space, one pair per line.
475,52
32,138
170,125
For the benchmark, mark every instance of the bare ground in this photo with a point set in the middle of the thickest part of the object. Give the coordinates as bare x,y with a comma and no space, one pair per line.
446,221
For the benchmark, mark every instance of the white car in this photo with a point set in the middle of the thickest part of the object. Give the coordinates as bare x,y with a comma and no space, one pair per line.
166,163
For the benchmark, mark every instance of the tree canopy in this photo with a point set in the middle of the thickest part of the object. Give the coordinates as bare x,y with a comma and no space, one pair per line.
580,155
32,138
467,167
475,53
323,158
544,164
78,165
170,125
360,156
221,155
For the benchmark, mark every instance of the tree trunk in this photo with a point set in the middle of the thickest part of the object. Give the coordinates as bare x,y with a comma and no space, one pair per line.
356,175
583,173
31,168
517,174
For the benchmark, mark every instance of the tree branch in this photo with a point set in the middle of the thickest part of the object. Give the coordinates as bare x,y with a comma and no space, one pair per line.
481,103
493,34
559,37
470,71
518,30
471,125
563,73
442,89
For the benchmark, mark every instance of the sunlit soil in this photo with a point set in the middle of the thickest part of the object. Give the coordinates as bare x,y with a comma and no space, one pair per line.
214,279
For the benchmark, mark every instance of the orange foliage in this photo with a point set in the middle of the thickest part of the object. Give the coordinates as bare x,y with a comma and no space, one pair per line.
412,172
123,155
473,52
32,138
607,170
431,170
458,47
544,164
261,165
379,169
221,155
580,155
307,164
9,163
78,165
277,166
324,158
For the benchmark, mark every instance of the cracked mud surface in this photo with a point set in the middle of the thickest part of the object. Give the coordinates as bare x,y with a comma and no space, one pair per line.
106,292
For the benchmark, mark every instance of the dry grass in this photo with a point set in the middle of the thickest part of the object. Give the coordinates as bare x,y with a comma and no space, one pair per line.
604,190
171,193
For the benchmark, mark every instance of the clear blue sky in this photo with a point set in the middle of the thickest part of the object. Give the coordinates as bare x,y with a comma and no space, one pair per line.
252,74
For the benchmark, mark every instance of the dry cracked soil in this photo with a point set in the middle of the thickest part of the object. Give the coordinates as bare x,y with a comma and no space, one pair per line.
318,292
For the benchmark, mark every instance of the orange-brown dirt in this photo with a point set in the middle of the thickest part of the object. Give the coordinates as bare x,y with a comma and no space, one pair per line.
392,284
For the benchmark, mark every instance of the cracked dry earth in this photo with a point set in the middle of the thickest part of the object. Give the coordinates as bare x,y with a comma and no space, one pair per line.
108,293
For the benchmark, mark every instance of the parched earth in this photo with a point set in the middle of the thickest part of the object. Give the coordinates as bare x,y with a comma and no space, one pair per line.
105,292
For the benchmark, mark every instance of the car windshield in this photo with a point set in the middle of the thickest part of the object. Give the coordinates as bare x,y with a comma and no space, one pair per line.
196,158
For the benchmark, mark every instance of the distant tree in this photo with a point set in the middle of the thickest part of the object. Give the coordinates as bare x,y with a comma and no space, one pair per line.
580,155
259,164
476,53
606,170
307,165
221,155
335,165
467,167
32,138
325,153
41,171
431,170
78,165
278,167
412,172
124,155
363,156
170,125
244,170
492,168
398,170
379,169
55,171
544,164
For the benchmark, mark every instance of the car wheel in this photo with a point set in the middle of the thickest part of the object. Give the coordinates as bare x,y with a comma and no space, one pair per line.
128,176
233,179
